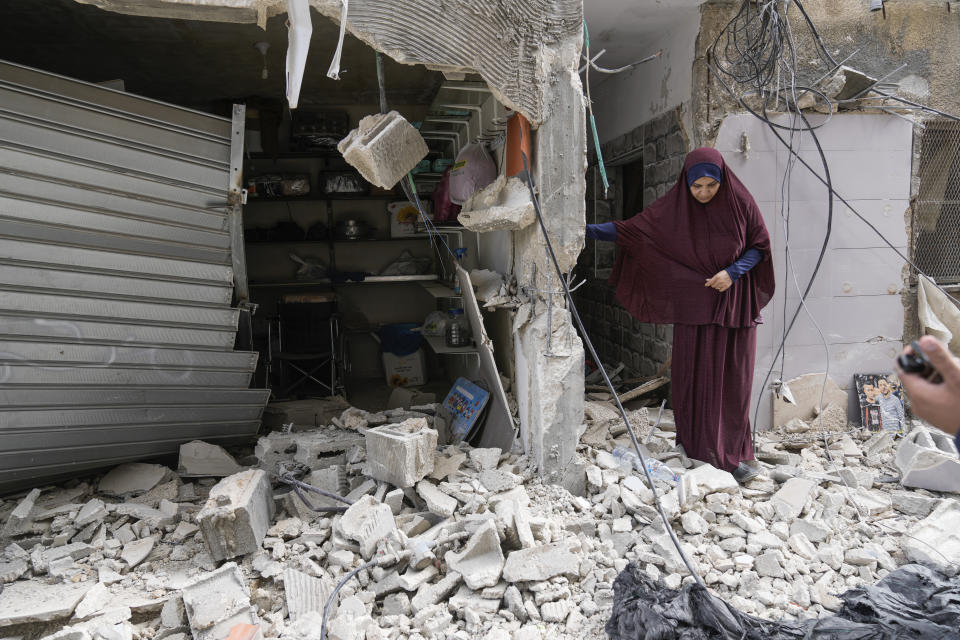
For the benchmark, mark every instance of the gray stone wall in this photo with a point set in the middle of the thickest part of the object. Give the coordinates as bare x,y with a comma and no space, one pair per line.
661,146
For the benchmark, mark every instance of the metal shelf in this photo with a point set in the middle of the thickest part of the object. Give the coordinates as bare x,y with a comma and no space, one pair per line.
327,281
328,196
439,346
289,242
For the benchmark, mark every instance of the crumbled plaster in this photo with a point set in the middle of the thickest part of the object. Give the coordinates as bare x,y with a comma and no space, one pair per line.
508,42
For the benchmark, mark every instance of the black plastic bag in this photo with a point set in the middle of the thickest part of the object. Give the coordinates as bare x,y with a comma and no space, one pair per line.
913,602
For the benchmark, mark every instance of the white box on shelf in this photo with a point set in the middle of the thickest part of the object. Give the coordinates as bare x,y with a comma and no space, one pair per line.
405,371
404,217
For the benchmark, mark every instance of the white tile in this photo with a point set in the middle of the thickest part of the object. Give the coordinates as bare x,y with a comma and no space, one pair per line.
758,171
865,272
855,174
730,136
791,283
808,223
842,321
854,131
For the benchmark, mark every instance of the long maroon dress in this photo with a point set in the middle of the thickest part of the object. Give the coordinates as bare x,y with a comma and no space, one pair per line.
665,255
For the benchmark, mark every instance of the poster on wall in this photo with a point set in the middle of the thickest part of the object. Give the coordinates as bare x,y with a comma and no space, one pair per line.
881,403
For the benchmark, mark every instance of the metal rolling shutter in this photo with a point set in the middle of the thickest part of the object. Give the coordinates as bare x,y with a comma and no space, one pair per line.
120,248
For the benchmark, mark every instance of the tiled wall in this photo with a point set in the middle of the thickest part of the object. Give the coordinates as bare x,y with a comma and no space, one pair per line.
855,301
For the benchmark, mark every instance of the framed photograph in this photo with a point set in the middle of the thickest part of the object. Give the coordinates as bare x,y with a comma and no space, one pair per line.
881,401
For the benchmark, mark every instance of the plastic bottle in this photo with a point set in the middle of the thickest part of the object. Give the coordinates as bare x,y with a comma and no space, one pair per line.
457,332
658,470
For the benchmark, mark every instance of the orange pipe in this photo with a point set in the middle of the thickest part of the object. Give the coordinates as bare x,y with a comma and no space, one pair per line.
518,139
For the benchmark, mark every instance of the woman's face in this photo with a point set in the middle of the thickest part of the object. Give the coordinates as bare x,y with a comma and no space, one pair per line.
703,189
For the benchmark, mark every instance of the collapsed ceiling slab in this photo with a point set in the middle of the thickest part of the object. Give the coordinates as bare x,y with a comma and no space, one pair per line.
505,42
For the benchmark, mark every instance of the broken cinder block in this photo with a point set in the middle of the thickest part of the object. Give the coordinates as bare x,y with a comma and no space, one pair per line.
218,601
927,459
401,454
237,515
384,148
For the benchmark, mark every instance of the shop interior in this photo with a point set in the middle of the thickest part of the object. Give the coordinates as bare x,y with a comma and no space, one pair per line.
354,293
343,275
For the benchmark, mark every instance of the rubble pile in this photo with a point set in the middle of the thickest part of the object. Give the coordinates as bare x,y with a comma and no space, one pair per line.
429,541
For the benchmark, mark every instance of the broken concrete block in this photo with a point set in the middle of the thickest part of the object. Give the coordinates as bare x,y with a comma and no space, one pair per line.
173,614
95,600
368,522
935,541
445,467
324,448
481,561
304,593
218,601
133,477
912,503
927,459
790,499
805,390
198,458
19,519
137,551
541,563
237,514
93,511
503,205
437,502
485,458
430,594
709,480
401,454
383,148
33,601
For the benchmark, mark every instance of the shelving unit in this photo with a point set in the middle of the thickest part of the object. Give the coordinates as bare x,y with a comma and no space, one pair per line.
439,346
326,281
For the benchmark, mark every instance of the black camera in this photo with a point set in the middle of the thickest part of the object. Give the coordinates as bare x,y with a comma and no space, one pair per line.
917,363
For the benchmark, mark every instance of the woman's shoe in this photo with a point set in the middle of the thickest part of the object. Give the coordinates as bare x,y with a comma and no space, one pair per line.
744,473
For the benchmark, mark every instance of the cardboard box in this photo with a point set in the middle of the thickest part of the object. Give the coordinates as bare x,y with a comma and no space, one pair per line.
404,217
405,371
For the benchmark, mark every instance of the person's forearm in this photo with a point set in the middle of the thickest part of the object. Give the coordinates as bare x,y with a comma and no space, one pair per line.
606,231
750,258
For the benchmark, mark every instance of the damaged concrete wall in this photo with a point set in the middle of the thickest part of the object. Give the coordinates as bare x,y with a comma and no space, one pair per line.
631,98
549,388
863,296
505,42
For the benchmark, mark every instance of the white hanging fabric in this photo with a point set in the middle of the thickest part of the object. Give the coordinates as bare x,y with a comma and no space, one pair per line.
299,30
334,70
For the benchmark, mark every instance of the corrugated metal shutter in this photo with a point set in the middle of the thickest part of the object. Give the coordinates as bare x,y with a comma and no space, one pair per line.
116,279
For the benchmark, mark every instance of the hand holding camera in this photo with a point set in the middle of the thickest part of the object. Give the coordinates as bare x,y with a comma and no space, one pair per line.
931,377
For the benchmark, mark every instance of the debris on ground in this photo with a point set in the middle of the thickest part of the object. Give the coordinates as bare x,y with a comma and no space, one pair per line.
454,542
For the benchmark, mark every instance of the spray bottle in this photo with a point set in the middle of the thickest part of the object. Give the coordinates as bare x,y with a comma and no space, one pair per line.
460,252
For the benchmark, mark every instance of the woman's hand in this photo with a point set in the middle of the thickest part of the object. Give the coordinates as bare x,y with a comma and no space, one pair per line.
720,282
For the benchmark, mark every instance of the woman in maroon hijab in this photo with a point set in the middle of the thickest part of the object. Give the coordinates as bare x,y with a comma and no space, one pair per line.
699,258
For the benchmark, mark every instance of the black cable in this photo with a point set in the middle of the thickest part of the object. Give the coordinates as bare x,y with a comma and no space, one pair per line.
603,371
336,590
296,485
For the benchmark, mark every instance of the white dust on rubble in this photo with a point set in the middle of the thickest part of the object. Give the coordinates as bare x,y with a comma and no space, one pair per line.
471,545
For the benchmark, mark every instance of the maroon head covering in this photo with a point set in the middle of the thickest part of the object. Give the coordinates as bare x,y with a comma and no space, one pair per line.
667,252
